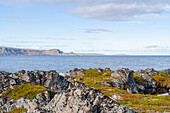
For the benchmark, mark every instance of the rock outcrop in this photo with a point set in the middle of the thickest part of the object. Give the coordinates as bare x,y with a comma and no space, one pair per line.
148,81
79,98
73,97
126,77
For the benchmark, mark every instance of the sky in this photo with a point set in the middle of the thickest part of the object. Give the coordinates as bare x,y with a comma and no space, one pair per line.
133,27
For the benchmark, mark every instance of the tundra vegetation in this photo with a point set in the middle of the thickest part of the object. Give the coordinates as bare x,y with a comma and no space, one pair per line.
28,90
137,102
18,110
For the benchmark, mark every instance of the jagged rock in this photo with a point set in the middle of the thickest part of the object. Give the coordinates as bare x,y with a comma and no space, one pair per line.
150,71
116,97
49,79
80,98
74,73
7,82
32,105
117,83
126,76
167,71
107,69
4,82
3,101
100,70
149,84
43,96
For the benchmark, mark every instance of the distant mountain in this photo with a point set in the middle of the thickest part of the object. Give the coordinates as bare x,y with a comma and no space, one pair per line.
21,51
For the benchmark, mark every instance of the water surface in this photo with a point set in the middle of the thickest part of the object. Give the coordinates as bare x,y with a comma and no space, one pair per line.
65,63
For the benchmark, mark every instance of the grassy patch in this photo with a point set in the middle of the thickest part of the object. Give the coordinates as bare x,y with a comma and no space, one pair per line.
139,80
137,102
17,110
92,77
161,79
143,103
28,90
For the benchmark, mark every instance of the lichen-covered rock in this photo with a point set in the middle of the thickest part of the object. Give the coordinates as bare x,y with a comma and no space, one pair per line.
80,98
49,79
117,83
73,97
116,97
146,84
75,72
150,71
4,82
126,76
167,71
3,100
7,82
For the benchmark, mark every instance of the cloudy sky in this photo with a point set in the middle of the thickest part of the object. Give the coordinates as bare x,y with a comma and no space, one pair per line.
87,26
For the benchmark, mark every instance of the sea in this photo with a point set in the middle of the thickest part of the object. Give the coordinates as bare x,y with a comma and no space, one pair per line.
63,64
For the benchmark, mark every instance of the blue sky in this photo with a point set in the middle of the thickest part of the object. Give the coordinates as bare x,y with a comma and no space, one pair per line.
140,27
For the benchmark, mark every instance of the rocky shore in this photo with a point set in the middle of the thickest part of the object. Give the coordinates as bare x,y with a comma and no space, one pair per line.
84,91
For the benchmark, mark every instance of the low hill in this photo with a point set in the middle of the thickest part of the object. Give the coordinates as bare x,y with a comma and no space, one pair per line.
23,51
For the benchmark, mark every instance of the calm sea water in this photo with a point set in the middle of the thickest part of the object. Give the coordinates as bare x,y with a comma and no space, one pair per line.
63,64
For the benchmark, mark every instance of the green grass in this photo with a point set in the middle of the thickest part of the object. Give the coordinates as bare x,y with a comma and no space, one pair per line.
92,77
28,90
142,103
161,79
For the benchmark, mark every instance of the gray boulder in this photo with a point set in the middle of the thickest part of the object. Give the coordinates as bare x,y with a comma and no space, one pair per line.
79,98
126,76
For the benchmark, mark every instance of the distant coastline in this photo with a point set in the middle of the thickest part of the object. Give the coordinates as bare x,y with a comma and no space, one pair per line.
25,51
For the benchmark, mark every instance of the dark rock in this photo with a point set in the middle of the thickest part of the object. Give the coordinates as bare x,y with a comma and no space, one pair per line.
7,82
49,79
3,100
107,69
71,97
167,71
100,70
83,99
150,71
126,76
74,73
117,83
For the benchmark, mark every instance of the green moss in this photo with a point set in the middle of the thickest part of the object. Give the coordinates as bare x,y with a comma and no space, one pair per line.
92,77
161,79
18,110
139,80
142,103
28,90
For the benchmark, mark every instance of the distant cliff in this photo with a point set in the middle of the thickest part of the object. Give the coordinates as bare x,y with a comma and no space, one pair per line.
21,51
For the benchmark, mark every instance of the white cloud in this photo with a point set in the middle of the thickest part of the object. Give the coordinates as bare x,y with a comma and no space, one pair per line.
129,22
112,11
108,9
96,30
